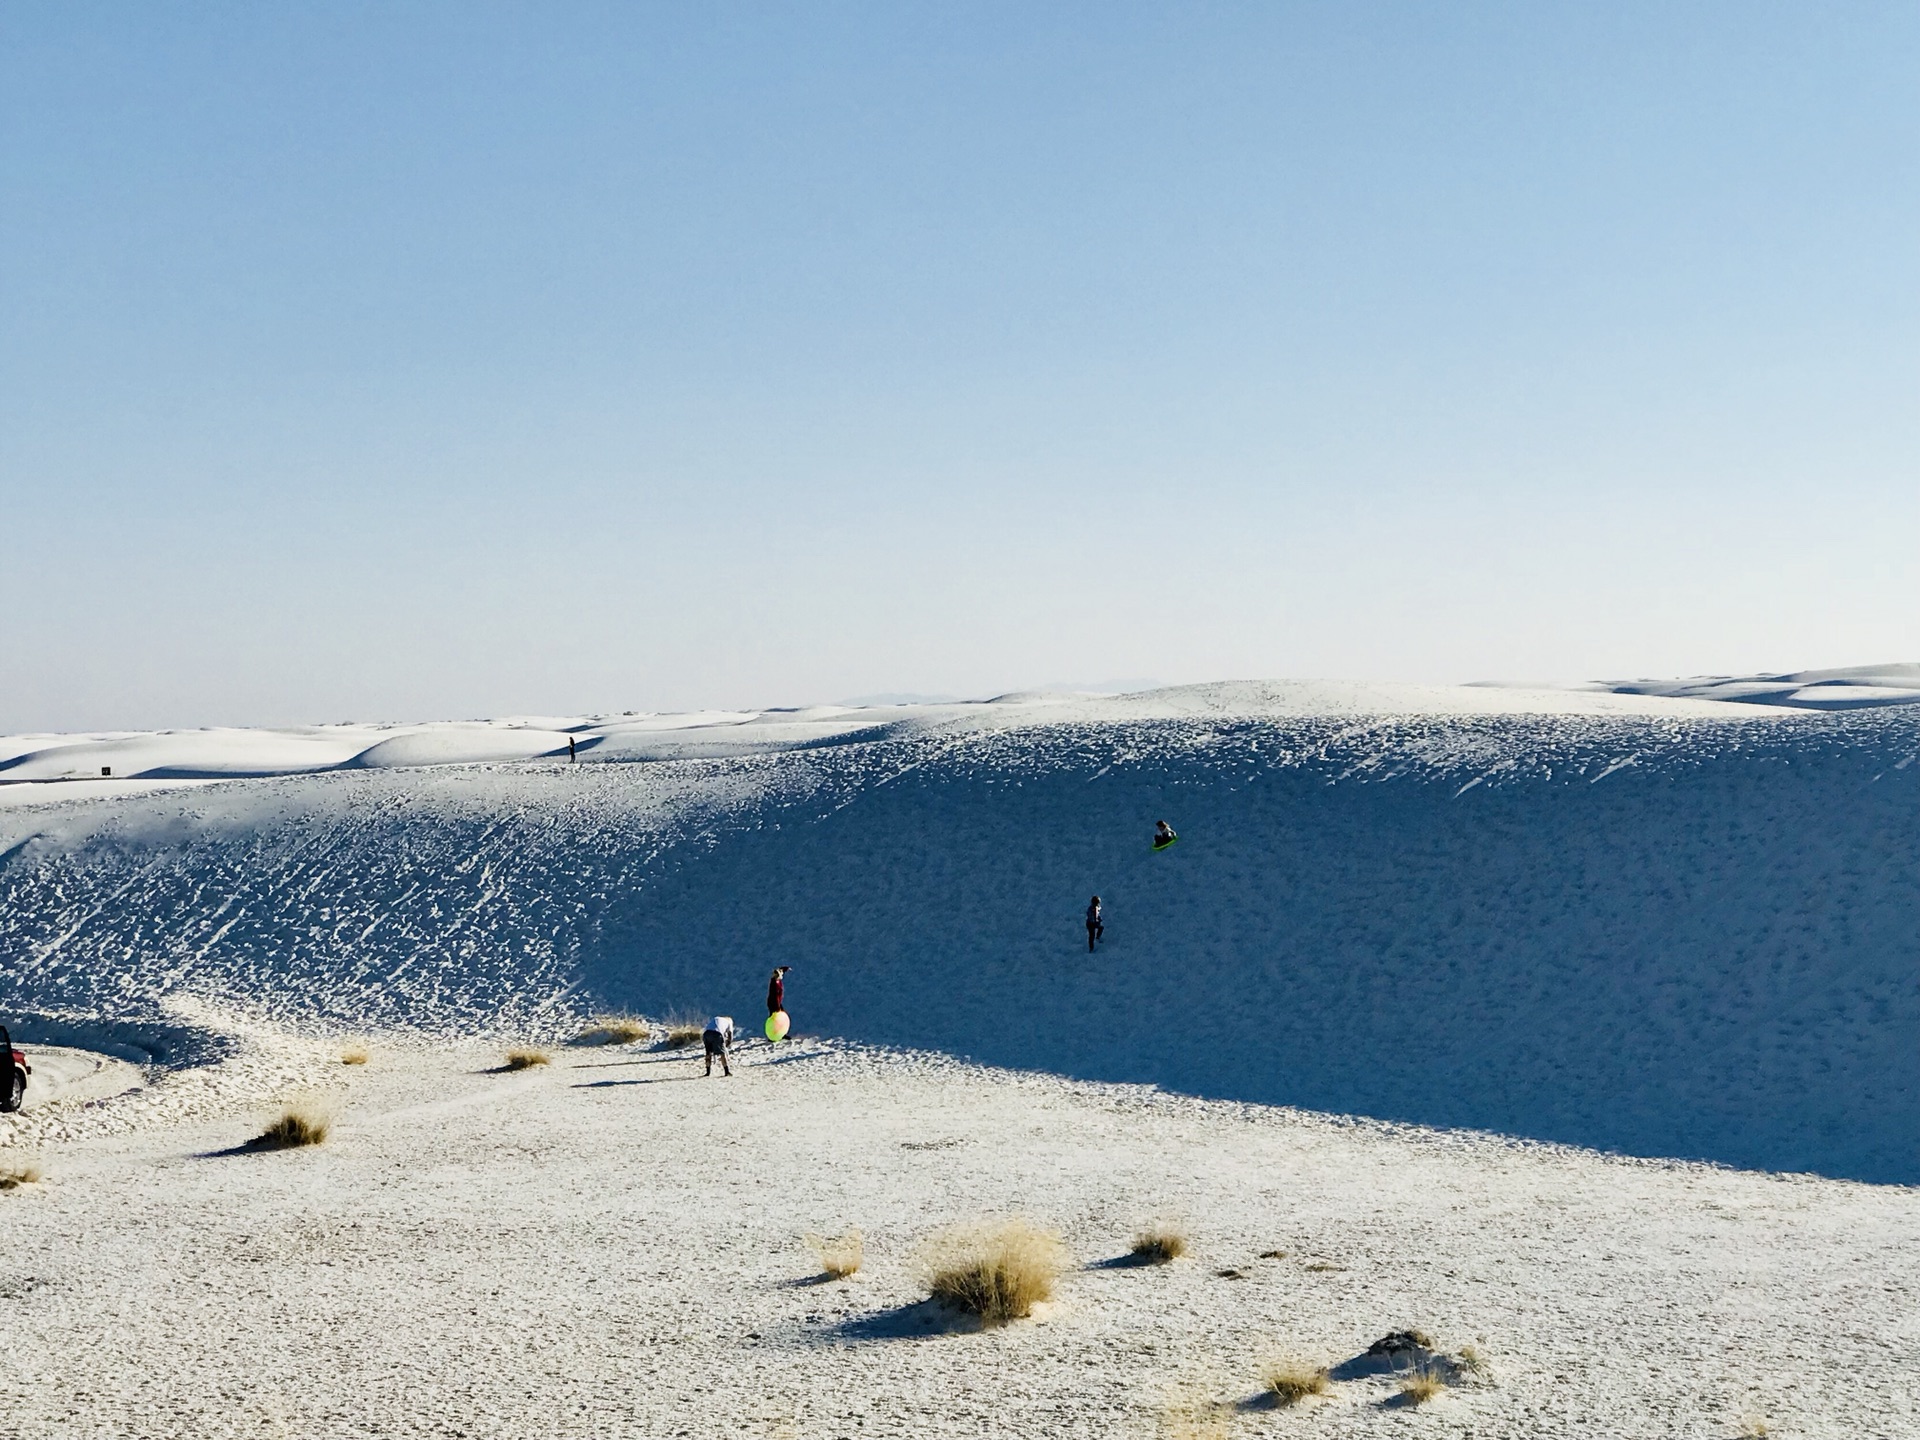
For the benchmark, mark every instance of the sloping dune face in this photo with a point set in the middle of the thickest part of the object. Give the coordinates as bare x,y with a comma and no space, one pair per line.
1670,935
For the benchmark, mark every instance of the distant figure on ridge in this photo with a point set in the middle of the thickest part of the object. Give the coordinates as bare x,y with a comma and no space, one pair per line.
777,990
1163,835
573,755
718,1039
1096,927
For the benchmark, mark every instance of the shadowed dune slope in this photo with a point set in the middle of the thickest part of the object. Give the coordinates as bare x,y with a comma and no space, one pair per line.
1680,937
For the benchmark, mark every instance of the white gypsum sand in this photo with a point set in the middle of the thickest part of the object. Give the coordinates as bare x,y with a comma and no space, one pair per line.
613,1246
1669,926
1669,918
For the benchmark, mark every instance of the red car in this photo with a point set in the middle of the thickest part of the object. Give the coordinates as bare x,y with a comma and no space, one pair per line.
13,1079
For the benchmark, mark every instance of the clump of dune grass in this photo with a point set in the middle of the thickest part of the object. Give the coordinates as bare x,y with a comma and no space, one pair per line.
682,1033
1290,1381
296,1126
615,1030
1754,1426
1469,1359
527,1059
1422,1385
354,1055
996,1269
1157,1244
838,1257
12,1177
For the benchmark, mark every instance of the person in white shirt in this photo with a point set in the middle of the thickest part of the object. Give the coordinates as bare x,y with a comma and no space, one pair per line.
719,1039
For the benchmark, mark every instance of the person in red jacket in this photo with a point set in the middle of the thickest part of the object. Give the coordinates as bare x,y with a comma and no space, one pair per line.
777,990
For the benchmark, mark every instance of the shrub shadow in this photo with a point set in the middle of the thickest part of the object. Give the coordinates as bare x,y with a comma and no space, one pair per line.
906,1322
1366,1366
807,1282
255,1146
1128,1261
1398,1401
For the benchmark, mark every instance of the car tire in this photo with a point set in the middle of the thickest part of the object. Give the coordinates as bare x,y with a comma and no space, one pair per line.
16,1089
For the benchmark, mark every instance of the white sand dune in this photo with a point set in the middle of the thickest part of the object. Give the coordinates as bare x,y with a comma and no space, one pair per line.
1664,925
1849,687
38,769
224,753
1661,924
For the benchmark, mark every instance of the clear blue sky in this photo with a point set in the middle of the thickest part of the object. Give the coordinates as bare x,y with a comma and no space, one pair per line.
420,360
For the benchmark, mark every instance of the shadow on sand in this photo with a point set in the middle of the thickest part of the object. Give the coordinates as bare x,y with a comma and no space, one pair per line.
643,1080
255,1146
1129,1261
807,1282
904,1322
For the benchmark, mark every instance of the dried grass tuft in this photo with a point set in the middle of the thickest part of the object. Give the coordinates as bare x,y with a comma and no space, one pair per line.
1291,1381
354,1055
14,1176
1157,1244
839,1257
615,1030
1754,1426
1422,1385
296,1126
527,1059
996,1269
682,1032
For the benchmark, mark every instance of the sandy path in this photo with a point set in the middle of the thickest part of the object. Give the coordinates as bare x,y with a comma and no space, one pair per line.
62,1075
610,1247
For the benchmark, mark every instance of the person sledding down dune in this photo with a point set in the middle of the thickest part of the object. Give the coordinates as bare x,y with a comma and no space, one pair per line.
1163,835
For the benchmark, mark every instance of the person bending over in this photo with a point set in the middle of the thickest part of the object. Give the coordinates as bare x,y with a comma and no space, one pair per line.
719,1039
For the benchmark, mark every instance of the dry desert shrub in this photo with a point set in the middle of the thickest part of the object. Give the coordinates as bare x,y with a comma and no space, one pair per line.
296,1126
1422,1385
1157,1244
1754,1426
14,1176
527,1059
840,1257
996,1269
354,1055
682,1032
615,1030
1291,1381
1470,1360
